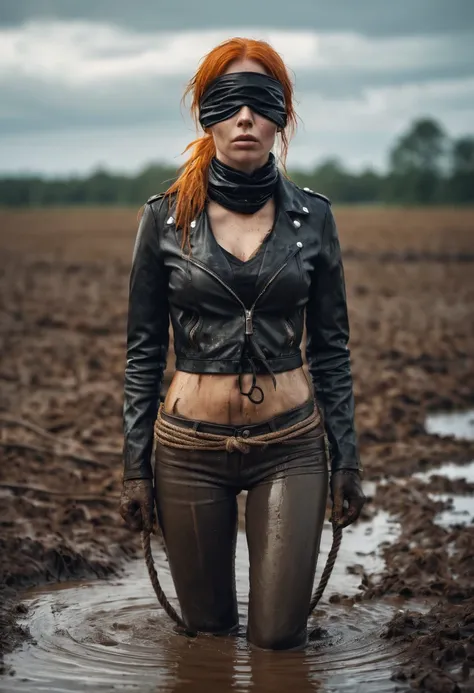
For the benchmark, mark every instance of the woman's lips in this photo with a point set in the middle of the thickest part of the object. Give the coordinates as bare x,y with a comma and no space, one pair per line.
245,142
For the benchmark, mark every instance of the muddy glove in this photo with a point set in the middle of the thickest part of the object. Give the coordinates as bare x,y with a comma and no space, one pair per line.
136,504
346,487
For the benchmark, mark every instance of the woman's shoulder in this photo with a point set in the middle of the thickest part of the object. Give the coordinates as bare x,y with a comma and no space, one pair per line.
318,195
297,197
156,201
160,204
154,198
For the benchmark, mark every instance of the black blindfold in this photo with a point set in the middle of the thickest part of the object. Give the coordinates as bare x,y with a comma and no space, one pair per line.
226,95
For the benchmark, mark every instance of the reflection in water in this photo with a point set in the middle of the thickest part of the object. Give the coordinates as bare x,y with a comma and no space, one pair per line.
457,424
461,507
243,670
459,512
108,635
461,426
450,471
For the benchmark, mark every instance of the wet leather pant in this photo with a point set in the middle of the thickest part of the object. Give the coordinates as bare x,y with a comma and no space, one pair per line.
287,485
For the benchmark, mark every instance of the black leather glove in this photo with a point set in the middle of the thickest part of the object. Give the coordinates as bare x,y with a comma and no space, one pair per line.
137,504
346,488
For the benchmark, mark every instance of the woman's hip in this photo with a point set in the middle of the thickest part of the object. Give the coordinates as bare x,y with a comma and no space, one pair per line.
201,452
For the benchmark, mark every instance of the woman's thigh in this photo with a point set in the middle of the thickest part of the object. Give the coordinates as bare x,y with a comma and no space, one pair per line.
284,521
198,519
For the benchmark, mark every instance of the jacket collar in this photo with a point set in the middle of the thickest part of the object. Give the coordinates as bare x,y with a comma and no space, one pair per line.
291,198
291,214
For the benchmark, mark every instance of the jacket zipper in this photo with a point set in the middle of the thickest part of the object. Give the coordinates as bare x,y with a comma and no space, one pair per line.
290,331
194,328
248,312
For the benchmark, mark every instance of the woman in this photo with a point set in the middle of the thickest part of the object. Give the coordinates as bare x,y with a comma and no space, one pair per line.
237,255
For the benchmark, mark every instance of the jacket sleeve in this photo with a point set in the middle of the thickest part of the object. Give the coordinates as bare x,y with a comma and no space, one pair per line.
147,348
327,352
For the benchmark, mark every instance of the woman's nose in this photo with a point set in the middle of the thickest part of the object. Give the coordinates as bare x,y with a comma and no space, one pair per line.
245,116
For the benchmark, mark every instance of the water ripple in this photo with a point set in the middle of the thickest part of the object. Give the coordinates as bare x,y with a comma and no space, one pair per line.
110,635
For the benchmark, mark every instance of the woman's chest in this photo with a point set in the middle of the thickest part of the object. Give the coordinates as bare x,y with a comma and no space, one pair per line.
240,234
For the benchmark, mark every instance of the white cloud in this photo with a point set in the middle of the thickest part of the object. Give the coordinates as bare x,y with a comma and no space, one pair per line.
86,53
80,94
388,108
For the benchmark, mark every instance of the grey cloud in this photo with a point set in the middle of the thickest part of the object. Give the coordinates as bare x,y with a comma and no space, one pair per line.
370,17
57,121
37,107
342,86
30,105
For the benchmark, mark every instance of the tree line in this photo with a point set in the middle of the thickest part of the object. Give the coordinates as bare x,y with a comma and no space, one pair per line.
426,167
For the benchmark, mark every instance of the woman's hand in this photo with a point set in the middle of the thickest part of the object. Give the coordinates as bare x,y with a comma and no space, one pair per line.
346,486
136,504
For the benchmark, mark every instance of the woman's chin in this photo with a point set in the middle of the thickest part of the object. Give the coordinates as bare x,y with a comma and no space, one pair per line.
247,158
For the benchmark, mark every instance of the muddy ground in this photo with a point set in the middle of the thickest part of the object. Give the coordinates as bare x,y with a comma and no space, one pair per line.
63,293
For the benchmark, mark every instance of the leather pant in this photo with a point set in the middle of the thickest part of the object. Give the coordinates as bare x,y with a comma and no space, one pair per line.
287,484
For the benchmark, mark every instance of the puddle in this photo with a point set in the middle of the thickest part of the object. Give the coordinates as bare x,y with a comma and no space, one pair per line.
461,506
450,471
461,426
111,635
461,510
457,424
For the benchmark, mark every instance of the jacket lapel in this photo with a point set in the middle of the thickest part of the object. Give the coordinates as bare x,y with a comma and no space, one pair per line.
291,214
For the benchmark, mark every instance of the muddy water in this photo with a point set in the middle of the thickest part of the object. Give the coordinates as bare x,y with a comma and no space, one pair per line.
111,635
457,424
461,507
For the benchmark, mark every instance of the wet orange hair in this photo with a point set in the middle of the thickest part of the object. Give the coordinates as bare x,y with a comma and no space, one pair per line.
191,184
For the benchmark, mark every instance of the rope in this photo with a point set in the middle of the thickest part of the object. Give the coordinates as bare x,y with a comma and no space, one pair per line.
162,598
173,436
326,574
172,613
181,438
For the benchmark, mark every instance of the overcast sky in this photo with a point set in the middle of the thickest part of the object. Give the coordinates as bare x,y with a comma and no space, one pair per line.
99,82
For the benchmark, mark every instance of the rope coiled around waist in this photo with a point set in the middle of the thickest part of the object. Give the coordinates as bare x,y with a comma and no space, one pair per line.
182,438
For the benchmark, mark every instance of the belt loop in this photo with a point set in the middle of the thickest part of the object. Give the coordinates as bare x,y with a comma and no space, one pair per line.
195,426
272,425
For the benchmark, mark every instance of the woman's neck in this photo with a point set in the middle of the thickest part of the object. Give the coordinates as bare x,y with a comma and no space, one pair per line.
244,167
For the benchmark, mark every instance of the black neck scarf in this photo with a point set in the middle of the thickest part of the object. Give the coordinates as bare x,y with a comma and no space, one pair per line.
241,192
226,95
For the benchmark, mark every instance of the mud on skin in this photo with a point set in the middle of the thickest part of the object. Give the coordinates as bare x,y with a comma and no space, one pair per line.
62,334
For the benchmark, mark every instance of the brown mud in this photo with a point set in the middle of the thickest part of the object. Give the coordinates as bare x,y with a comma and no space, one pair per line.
410,279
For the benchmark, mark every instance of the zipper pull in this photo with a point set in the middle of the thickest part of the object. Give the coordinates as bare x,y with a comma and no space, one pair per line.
248,322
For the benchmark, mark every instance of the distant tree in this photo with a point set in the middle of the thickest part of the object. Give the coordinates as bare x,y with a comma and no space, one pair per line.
424,168
332,179
461,181
370,186
416,163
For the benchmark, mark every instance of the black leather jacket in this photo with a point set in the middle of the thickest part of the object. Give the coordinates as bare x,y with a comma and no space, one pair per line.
301,274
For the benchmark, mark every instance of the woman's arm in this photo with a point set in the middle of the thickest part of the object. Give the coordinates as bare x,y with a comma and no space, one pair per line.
147,348
327,352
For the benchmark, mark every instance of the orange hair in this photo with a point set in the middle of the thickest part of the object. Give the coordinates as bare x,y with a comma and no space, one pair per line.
191,185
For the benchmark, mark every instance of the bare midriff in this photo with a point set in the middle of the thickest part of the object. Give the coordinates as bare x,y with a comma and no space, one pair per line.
217,398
